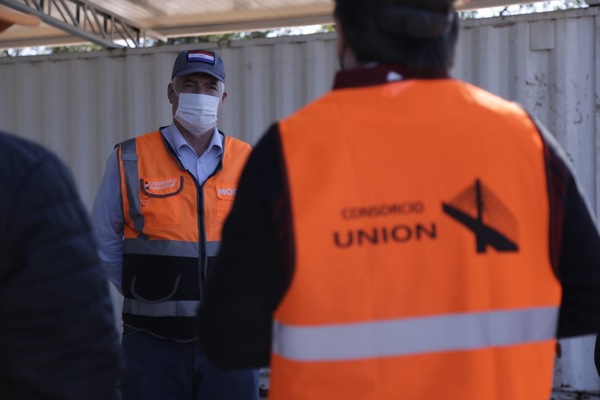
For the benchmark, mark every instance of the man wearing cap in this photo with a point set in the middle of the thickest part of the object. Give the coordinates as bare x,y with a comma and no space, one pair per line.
158,216
407,235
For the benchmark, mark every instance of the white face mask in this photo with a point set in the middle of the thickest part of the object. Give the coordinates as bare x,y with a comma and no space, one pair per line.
197,112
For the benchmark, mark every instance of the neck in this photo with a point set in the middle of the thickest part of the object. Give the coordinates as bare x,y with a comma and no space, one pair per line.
198,142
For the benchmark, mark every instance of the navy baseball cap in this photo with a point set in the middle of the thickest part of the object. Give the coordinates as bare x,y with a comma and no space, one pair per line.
199,61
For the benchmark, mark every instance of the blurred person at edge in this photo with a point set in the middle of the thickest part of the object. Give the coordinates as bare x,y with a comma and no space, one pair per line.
406,236
158,216
58,338
597,354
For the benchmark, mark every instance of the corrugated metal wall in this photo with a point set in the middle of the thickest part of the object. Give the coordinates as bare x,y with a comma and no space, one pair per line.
81,105
548,63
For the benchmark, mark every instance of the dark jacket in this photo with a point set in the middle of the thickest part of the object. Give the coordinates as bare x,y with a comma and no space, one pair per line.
58,338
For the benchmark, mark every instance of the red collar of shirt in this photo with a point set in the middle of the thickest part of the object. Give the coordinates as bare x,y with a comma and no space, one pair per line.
379,74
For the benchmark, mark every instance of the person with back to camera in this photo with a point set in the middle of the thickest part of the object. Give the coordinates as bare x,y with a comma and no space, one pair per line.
58,338
405,236
158,216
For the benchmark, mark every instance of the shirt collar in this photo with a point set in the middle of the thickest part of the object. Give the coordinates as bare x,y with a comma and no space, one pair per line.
216,142
177,141
374,74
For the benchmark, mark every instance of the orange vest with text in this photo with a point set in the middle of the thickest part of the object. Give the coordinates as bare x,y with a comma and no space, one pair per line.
172,232
420,217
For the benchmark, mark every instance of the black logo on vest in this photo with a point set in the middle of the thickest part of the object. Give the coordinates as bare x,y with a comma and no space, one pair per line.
492,223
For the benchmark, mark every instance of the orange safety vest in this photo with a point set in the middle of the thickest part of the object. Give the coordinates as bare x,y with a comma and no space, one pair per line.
421,224
172,232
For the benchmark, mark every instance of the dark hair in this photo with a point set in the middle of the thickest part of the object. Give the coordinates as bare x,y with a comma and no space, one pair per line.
418,35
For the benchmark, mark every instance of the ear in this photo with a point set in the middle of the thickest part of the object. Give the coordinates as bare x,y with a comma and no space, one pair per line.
341,43
223,97
171,95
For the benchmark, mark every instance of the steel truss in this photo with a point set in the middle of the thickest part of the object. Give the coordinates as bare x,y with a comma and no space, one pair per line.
86,20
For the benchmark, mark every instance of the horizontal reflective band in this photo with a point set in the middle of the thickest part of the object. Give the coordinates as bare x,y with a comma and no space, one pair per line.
403,337
212,248
176,308
161,247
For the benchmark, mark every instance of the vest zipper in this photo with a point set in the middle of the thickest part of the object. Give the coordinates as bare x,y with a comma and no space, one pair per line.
202,259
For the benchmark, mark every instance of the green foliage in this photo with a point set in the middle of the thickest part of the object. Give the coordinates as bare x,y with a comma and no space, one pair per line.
193,40
220,39
224,38
327,28
75,49
29,51
528,8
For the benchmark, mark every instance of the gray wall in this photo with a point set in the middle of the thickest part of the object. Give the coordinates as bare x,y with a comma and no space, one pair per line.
81,105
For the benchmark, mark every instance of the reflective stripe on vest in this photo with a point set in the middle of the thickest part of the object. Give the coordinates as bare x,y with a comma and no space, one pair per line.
404,337
177,308
166,247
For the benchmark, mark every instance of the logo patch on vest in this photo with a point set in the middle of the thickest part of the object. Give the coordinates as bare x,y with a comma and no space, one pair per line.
390,230
226,191
162,185
485,206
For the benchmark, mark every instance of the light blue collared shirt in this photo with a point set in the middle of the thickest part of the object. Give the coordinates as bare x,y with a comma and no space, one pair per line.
107,214
200,166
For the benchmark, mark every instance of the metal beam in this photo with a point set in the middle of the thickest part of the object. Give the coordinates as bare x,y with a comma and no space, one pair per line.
85,20
42,41
247,25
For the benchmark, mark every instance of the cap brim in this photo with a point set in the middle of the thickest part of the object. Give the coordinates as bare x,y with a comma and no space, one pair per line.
190,71
10,17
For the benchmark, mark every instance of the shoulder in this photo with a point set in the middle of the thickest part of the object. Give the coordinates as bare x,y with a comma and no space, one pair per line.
263,175
237,144
485,100
18,151
323,107
32,178
148,136
139,145
20,157
265,159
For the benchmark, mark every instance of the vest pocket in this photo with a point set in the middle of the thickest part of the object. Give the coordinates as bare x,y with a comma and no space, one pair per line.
160,203
156,278
154,290
225,196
